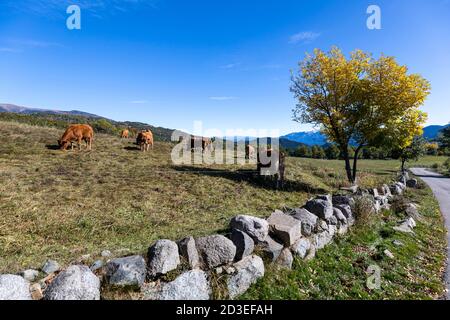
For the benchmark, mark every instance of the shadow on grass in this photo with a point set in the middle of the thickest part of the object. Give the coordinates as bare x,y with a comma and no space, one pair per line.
252,177
130,148
52,147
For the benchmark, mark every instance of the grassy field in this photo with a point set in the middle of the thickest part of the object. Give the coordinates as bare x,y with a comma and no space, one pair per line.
62,205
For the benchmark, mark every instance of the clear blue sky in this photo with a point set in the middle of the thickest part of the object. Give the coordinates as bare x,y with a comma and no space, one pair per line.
227,63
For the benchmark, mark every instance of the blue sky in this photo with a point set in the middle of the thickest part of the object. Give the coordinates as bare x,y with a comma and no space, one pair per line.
226,63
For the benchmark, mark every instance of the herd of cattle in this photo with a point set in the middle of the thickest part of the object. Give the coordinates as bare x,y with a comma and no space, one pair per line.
78,133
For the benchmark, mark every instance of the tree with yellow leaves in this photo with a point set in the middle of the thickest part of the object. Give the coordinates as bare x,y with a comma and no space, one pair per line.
358,100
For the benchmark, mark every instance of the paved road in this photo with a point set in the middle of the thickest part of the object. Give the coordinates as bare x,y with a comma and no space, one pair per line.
441,189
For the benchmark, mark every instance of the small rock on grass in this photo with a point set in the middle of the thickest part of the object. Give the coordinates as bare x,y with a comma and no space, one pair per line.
398,243
50,266
285,259
30,275
36,291
388,254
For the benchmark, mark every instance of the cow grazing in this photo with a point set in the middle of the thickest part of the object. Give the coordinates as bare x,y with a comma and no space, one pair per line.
265,167
77,133
196,142
125,134
249,152
145,140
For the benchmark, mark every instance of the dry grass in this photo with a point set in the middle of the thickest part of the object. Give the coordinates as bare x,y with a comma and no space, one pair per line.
62,205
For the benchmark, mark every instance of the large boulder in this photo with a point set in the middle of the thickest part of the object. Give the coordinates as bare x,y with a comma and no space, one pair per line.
396,189
248,271
412,183
163,257
406,226
301,247
256,228
308,220
188,250
285,259
339,216
244,244
343,200
216,250
332,220
128,271
271,249
385,190
285,228
321,207
374,192
323,238
191,285
13,287
346,210
404,176
76,283
412,211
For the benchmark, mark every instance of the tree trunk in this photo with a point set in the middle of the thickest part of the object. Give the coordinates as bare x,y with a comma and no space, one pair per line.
403,165
348,168
355,163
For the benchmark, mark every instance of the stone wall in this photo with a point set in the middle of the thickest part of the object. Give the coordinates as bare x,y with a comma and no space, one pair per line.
184,270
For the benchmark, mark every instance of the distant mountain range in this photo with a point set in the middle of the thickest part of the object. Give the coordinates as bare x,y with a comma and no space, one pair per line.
432,132
309,138
24,110
316,138
289,141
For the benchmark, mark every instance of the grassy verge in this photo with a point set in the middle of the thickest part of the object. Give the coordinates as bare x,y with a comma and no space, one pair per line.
339,270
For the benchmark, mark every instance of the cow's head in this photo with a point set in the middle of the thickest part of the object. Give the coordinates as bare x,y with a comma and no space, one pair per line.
63,144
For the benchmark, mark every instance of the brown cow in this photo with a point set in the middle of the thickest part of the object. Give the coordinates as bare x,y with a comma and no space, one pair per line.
125,134
278,168
249,152
77,133
145,140
200,141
